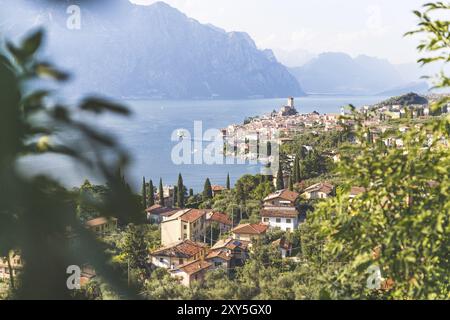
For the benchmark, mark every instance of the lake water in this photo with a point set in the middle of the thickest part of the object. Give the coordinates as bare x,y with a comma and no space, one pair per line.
147,137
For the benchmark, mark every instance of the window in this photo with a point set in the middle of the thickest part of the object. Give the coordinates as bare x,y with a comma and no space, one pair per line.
218,264
185,227
288,220
266,219
161,260
185,236
278,220
180,261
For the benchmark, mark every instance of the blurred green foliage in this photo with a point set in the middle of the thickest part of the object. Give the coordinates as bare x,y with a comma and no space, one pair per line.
38,217
401,222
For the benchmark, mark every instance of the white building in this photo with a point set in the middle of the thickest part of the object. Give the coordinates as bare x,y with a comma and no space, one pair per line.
280,210
285,219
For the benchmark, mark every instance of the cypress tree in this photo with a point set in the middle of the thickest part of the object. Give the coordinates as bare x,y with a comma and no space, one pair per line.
144,193
298,171
175,197
291,185
180,195
161,193
207,190
280,182
151,194
228,182
191,192
294,169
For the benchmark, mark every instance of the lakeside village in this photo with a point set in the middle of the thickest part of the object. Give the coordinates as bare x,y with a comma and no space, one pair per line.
188,234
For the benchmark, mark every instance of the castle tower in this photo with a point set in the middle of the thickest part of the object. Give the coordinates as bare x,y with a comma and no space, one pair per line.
291,102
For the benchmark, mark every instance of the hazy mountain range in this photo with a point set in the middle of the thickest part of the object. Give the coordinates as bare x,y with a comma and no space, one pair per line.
129,51
339,73
158,52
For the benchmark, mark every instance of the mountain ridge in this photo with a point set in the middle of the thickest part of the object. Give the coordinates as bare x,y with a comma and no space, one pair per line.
158,52
339,73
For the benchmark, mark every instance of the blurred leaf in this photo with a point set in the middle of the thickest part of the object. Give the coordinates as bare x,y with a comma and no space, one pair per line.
98,105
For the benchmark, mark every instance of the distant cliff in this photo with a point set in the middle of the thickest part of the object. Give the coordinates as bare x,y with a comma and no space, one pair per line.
130,51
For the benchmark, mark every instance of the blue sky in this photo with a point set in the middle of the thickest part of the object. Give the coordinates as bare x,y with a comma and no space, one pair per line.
302,28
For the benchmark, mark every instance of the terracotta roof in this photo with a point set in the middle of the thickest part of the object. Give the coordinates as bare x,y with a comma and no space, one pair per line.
99,221
283,194
282,213
231,244
154,207
169,213
282,243
220,217
160,210
183,249
250,228
218,254
241,244
324,187
354,191
195,266
186,215
217,188
192,215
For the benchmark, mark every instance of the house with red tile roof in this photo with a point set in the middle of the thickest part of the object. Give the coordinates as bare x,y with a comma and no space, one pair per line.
157,213
220,259
281,198
237,250
355,191
284,246
216,190
182,225
172,256
280,210
221,219
249,231
320,190
102,226
191,272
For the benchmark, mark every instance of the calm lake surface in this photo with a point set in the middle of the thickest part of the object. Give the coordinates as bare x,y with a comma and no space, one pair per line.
147,137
